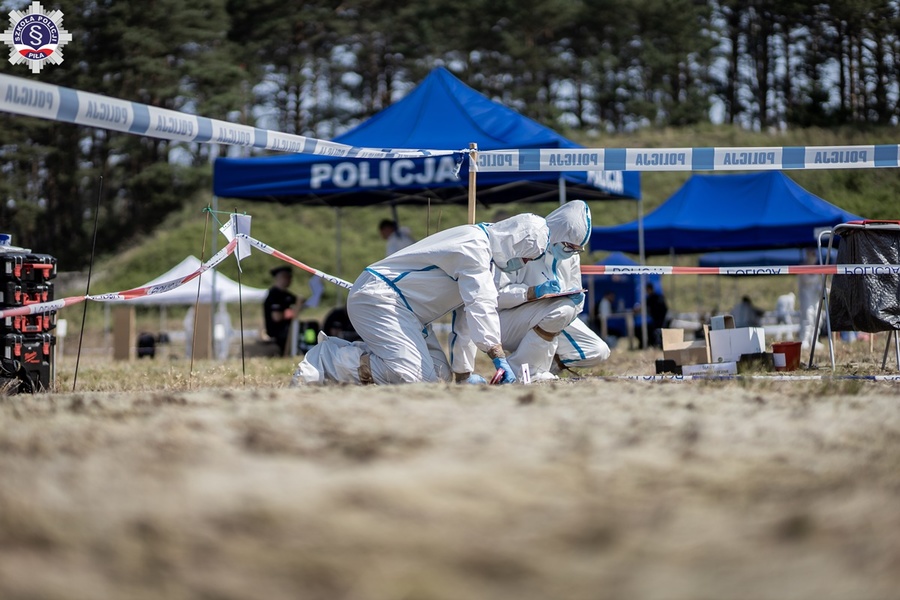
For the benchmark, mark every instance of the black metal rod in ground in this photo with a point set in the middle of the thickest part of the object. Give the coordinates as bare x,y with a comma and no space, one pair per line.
87,291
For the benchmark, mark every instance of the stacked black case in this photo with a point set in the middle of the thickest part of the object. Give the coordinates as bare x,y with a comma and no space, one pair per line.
28,344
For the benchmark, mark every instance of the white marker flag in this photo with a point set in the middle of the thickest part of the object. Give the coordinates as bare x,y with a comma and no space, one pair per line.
235,225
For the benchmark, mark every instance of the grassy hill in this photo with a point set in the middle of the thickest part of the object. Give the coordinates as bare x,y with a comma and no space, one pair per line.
310,234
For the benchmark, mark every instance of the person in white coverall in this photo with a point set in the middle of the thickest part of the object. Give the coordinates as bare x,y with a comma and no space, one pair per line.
394,301
535,329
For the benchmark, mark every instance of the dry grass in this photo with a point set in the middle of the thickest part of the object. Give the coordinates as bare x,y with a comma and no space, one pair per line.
142,486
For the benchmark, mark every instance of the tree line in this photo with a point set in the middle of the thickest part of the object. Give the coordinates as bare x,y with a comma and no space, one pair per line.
589,67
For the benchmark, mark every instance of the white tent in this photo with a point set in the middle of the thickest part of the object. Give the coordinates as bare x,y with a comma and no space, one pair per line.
226,290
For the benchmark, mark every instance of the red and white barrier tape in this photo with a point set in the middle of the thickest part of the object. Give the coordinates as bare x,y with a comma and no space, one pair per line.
739,377
42,307
278,254
124,296
165,286
773,270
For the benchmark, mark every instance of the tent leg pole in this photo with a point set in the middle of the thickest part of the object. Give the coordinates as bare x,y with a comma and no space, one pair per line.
897,349
643,276
671,292
823,296
828,330
814,334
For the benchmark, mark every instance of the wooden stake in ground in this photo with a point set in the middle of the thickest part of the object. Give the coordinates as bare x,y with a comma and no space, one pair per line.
473,167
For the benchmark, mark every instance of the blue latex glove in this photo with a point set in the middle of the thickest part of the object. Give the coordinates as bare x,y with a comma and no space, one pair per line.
548,287
476,379
577,298
508,375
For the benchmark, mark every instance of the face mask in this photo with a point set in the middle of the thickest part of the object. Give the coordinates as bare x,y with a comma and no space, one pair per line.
561,251
513,264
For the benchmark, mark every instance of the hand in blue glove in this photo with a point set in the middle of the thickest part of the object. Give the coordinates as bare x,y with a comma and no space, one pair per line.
577,298
548,287
508,375
476,379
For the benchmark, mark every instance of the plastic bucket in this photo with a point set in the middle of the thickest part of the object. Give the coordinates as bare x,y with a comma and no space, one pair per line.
786,356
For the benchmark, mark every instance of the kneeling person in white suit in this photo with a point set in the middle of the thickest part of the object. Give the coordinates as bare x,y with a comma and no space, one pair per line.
394,301
535,329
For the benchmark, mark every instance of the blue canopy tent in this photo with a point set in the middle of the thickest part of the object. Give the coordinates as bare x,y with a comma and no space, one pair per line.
752,211
728,212
626,288
440,113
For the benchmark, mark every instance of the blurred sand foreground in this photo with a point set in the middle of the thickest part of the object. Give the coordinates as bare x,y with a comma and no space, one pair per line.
576,489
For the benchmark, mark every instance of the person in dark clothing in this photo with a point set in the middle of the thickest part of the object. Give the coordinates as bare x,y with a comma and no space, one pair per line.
747,314
279,308
657,309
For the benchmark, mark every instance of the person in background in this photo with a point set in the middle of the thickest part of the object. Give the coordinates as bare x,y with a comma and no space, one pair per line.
188,325
394,302
279,307
657,310
606,304
397,238
784,309
604,312
222,332
746,314
315,292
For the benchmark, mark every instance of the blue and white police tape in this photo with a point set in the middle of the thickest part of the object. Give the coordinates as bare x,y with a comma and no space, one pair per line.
46,101
56,103
774,158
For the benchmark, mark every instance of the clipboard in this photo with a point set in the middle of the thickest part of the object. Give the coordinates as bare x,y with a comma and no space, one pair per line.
561,294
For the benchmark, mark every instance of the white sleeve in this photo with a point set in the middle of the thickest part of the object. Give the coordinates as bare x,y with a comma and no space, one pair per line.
569,274
462,348
471,269
511,292
479,295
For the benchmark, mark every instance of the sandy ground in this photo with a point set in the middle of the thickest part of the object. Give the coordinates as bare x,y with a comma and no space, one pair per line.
583,488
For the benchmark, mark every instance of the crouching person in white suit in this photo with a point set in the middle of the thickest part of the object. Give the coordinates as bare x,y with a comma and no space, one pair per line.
545,332
394,301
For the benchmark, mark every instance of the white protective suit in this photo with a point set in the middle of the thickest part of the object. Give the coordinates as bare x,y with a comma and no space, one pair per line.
533,331
394,301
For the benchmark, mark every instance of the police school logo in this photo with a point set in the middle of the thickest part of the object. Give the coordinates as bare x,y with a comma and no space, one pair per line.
35,37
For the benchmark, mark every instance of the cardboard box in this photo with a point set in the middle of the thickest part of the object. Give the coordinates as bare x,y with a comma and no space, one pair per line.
721,322
722,368
727,345
682,351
